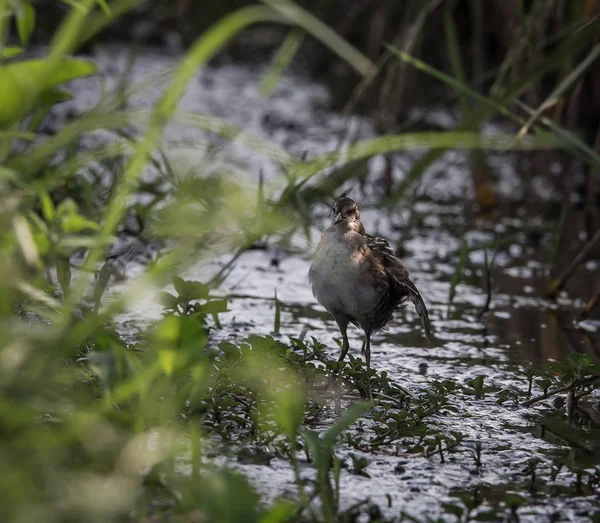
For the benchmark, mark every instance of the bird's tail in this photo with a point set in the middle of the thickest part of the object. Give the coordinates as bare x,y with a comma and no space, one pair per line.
422,312
415,296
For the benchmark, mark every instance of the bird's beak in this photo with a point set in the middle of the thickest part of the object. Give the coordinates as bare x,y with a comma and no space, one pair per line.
337,219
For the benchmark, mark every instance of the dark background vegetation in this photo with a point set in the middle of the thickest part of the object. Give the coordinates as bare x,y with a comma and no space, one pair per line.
515,35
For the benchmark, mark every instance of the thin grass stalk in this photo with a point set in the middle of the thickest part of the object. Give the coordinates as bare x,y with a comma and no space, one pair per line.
477,8
4,20
322,32
99,21
65,38
579,147
484,189
561,88
456,65
564,276
282,60
456,276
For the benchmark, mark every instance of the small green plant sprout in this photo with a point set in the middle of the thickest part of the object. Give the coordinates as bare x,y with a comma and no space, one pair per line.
193,299
513,501
476,387
359,465
321,447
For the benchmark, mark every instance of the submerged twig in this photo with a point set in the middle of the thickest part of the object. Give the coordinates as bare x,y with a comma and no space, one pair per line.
577,383
590,306
488,284
562,279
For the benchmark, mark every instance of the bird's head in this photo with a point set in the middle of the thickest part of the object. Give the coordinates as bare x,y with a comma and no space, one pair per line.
345,210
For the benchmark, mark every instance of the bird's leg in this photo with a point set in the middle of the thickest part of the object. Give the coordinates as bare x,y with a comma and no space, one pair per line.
368,360
343,325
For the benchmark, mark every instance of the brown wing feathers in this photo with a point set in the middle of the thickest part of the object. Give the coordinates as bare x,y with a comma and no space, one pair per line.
401,285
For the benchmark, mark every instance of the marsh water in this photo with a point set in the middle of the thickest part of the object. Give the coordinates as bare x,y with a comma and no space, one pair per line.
520,329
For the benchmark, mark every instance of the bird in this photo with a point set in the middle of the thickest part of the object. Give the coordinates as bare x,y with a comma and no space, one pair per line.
359,280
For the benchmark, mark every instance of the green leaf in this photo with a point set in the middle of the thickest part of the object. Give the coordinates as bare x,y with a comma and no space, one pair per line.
75,223
103,279
11,98
190,290
66,208
54,96
212,307
63,273
281,511
167,300
10,51
25,22
167,359
349,417
47,207
289,412
23,84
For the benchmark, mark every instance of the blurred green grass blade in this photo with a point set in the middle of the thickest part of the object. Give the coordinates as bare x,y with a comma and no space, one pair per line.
324,33
104,6
74,4
437,141
456,64
66,35
25,22
562,87
579,147
326,187
459,86
21,135
31,161
430,140
350,416
96,22
219,126
284,56
277,321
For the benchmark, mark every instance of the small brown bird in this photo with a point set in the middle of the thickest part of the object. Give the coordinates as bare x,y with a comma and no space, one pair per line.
358,278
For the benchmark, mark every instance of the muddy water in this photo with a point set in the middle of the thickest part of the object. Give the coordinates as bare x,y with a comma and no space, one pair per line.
520,328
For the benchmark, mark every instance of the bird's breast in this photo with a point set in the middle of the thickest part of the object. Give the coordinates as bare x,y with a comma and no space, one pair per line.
339,277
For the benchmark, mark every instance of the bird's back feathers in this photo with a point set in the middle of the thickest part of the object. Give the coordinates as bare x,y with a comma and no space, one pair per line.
401,286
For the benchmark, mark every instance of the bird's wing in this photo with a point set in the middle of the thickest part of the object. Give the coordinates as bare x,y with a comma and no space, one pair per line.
398,274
